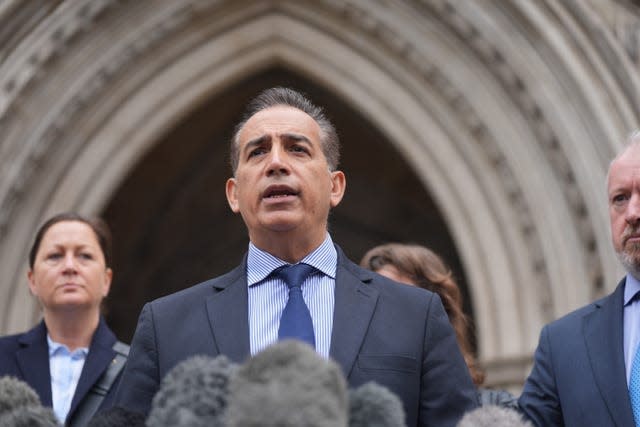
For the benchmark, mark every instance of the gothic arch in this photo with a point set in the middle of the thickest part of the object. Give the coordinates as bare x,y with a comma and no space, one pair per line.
510,134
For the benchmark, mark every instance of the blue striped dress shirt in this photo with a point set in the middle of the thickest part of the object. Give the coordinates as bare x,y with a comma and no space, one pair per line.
631,316
268,295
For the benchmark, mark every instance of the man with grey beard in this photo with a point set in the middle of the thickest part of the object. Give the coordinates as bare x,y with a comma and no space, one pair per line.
587,364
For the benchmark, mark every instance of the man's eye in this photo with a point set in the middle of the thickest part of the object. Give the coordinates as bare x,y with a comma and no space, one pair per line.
299,149
54,256
619,198
85,256
257,152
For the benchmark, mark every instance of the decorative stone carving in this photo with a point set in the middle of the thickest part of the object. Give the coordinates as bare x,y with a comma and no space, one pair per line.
35,65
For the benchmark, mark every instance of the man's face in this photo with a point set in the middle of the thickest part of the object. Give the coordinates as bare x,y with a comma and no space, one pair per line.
623,190
283,182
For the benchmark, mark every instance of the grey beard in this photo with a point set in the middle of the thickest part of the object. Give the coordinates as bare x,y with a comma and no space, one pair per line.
631,261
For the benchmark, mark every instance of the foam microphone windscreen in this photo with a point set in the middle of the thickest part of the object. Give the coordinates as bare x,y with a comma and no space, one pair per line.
193,394
20,405
372,405
288,385
117,416
493,416
29,416
15,393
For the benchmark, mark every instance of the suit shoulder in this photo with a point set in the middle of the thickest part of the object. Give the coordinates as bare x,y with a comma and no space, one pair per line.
196,292
574,318
10,341
35,335
385,286
9,348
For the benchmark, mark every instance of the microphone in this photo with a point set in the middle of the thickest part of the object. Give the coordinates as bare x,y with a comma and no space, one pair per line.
288,385
493,416
20,405
193,393
29,416
15,393
372,405
117,416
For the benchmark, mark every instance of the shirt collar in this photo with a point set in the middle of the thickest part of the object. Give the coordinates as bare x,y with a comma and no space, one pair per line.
631,288
56,347
260,264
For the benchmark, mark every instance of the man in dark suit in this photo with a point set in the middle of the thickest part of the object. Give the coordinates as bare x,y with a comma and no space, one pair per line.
284,157
583,365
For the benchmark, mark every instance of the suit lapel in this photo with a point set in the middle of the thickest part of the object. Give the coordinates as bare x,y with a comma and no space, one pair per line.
100,355
33,360
603,336
228,311
355,303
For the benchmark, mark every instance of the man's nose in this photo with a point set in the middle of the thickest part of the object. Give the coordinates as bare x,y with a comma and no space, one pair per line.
277,161
633,209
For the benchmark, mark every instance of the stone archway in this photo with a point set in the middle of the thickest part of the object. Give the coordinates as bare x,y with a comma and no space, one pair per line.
172,226
510,135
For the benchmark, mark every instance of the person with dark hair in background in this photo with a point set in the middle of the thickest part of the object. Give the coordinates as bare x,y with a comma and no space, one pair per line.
586,368
71,358
419,266
295,283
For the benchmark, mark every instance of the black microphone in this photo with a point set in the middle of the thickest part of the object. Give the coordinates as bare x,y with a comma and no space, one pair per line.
493,416
372,405
194,393
288,385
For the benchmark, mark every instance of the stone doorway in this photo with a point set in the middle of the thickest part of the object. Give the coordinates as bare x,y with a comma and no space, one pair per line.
172,226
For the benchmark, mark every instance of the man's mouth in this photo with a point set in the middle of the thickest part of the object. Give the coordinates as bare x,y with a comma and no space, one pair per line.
279,191
633,238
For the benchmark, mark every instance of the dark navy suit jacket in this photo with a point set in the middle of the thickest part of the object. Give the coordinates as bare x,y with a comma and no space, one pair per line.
396,335
26,357
579,376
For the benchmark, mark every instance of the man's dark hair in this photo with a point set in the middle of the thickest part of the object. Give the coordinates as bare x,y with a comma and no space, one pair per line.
99,227
289,97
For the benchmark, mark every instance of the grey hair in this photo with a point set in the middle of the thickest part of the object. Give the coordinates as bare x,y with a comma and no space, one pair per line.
289,97
633,140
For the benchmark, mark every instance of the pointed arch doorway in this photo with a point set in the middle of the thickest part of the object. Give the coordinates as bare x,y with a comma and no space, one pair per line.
172,226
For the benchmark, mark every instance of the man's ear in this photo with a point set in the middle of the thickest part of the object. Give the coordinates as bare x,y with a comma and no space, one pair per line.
231,190
338,186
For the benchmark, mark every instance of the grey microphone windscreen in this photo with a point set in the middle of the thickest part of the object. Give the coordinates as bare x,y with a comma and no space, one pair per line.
15,393
29,416
288,385
493,416
117,416
372,405
193,393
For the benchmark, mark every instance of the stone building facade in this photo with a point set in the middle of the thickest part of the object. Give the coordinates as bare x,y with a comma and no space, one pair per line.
481,128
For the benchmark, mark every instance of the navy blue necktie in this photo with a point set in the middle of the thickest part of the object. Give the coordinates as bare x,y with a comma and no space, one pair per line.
296,319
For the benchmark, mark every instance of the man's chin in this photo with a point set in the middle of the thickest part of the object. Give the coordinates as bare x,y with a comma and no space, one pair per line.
631,262
281,222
